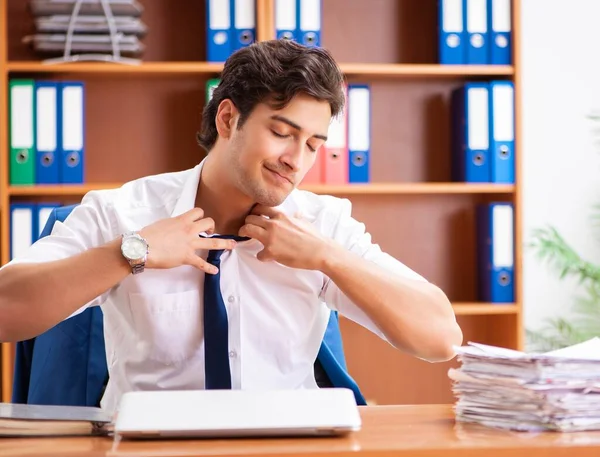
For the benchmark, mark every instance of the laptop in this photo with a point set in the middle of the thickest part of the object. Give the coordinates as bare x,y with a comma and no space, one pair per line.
237,413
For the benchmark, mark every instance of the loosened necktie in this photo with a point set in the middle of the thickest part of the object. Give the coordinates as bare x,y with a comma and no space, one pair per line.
217,374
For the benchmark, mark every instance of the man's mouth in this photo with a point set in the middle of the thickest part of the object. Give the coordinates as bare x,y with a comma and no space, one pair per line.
283,177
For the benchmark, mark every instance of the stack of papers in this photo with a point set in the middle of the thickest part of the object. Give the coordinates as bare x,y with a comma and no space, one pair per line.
502,388
91,32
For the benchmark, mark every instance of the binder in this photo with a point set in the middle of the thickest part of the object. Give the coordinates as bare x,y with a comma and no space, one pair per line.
477,32
22,131
315,174
500,28
244,23
218,30
286,15
72,132
502,129
335,150
495,252
23,228
211,85
470,133
359,133
451,34
46,137
309,25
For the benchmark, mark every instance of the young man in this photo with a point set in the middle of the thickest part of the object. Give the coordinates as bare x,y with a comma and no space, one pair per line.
136,250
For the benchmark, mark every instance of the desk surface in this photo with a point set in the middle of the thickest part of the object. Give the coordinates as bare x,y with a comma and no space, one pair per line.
421,430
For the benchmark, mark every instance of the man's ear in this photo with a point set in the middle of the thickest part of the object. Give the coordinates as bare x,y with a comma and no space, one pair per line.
226,118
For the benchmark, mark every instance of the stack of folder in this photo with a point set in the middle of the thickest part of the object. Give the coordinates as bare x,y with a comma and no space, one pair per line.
475,32
27,221
506,389
230,25
483,132
47,132
90,28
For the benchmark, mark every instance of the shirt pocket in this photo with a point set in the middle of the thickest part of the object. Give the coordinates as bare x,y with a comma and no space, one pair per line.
169,327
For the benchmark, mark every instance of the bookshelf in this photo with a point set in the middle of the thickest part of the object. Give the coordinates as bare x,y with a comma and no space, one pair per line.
142,120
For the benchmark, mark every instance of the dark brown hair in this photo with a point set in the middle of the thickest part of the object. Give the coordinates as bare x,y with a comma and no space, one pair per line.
272,72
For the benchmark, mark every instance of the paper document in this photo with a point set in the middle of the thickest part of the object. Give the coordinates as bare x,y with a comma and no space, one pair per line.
500,387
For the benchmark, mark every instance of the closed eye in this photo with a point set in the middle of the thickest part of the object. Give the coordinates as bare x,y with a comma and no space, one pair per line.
278,135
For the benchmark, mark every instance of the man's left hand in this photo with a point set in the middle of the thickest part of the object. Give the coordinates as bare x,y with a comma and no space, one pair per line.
291,241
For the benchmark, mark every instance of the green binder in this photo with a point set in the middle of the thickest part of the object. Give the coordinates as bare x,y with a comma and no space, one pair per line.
211,84
22,131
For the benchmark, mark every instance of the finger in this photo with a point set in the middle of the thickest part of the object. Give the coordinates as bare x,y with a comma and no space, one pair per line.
253,231
212,243
264,256
262,210
201,264
193,215
257,220
206,224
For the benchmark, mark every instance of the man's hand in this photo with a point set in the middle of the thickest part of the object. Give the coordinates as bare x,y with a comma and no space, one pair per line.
291,241
174,241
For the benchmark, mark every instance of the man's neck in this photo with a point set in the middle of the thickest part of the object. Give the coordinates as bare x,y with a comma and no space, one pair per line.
220,200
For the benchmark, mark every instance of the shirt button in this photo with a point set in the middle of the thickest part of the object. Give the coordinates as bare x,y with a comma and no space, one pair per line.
232,354
231,299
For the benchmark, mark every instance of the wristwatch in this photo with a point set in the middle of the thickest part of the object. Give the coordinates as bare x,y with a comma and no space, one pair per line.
135,249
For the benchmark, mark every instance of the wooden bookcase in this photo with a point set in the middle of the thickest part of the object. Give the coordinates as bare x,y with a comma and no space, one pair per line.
142,120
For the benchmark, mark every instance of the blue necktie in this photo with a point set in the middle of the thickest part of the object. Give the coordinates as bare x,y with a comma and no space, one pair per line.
217,374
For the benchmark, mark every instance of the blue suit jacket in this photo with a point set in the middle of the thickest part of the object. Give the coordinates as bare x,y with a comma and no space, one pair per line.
66,365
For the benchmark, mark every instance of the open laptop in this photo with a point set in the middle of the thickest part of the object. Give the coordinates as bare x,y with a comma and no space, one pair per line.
236,413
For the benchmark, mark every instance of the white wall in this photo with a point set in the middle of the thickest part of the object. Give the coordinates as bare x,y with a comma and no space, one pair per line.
561,164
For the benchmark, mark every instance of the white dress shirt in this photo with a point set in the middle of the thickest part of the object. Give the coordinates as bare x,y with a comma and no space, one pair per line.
153,322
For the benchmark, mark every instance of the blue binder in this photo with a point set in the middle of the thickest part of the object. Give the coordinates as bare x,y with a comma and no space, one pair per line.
244,23
219,40
309,22
46,132
71,110
286,20
23,228
500,28
359,133
476,20
502,132
451,32
470,133
495,252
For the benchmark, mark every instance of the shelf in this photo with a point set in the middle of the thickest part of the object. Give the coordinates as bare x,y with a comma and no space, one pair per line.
99,67
349,189
432,70
66,190
410,188
481,309
350,69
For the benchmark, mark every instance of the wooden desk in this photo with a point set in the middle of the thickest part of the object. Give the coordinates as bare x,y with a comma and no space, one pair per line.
422,431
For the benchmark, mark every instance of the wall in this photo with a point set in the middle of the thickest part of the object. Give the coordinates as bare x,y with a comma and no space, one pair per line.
561,163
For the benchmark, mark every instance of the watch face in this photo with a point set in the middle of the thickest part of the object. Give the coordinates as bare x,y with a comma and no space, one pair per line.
134,248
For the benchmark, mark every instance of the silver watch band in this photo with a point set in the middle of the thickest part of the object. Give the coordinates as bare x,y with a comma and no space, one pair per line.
137,269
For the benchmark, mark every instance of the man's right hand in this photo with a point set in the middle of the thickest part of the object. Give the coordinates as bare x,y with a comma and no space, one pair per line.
174,241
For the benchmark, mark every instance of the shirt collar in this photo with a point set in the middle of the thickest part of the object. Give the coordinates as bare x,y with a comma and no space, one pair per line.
187,198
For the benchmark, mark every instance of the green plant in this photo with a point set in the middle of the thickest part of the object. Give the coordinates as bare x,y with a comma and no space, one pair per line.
584,319
551,248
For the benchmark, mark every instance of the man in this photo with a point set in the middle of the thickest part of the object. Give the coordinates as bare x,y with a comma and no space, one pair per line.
136,250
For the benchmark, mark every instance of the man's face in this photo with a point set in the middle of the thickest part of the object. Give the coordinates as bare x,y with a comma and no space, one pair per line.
273,150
